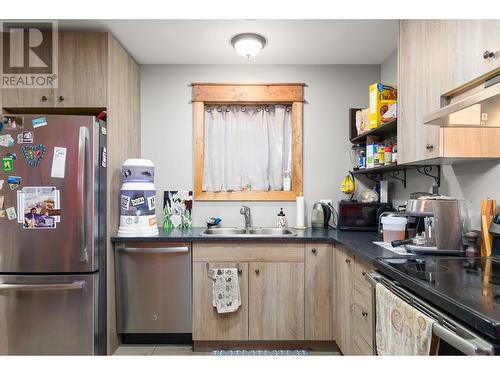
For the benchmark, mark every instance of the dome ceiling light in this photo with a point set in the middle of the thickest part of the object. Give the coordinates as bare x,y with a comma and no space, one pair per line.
248,44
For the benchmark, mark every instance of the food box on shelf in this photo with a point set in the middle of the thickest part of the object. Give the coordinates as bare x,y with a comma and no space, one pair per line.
381,96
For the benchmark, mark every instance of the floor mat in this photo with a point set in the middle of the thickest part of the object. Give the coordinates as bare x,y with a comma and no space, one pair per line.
260,352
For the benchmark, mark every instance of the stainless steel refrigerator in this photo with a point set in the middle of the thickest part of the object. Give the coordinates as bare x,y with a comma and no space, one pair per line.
52,255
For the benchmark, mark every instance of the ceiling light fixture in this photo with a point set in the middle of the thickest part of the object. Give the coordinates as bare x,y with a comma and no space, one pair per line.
248,44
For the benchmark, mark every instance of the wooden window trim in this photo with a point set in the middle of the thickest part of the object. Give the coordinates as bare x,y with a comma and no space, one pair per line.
252,93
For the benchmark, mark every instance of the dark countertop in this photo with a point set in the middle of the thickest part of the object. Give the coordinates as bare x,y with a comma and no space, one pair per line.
360,243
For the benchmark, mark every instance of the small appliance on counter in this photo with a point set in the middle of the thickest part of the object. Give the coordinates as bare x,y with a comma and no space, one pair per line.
495,233
361,216
321,215
137,199
440,223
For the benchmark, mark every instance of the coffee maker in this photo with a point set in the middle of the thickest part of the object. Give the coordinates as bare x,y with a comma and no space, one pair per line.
438,225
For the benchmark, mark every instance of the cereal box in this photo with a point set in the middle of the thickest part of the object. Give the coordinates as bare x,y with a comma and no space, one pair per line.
381,96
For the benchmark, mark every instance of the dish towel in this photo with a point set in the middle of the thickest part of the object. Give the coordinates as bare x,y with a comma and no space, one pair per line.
400,328
226,290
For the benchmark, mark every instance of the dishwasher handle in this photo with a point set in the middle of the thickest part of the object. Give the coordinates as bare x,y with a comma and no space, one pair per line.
154,250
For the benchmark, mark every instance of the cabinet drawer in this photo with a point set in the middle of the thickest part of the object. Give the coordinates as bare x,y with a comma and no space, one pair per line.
248,252
360,269
362,311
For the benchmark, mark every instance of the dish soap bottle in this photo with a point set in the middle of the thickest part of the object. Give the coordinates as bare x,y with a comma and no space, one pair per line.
281,222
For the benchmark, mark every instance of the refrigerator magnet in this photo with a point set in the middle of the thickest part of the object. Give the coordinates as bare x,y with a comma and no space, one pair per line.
7,164
2,199
33,154
6,140
39,122
11,155
38,207
11,213
1,184
14,182
13,123
58,162
2,213
25,137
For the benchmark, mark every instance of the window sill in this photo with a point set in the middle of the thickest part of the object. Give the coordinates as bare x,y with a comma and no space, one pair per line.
246,196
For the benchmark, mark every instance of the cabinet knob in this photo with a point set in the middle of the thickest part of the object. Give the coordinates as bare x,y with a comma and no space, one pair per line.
363,273
240,271
43,98
257,271
488,54
429,146
364,313
347,260
313,251
61,98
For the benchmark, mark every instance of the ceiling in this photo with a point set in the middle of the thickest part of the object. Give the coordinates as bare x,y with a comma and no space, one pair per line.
288,41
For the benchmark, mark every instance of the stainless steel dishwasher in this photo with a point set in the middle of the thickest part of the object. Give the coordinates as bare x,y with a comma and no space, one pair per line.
153,289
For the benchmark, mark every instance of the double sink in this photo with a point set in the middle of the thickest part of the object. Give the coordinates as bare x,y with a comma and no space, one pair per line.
248,232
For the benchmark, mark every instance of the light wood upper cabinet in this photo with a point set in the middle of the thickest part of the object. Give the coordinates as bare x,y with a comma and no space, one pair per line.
82,70
82,76
436,57
415,142
276,301
207,323
319,291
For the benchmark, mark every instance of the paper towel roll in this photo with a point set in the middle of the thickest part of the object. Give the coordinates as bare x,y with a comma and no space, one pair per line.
300,209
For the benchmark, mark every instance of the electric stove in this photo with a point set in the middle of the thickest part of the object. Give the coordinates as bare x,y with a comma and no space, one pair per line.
466,287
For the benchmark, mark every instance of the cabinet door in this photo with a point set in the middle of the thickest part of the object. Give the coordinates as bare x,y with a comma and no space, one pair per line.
82,70
471,39
29,97
319,287
207,323
416,82
344,264
276,301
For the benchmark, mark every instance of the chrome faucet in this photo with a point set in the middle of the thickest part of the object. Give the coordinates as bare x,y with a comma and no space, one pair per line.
248,219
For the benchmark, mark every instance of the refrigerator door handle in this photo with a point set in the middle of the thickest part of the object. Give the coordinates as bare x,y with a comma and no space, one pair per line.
43,287
83,189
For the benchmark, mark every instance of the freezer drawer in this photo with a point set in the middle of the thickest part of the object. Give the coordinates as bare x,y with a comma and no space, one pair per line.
153,288
41,314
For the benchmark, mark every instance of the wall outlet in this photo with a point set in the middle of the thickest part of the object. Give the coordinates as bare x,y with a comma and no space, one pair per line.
327,201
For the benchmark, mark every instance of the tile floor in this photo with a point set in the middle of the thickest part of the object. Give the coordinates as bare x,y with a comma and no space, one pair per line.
178,350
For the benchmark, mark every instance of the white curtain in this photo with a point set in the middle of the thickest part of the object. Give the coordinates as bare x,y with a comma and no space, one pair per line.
248,145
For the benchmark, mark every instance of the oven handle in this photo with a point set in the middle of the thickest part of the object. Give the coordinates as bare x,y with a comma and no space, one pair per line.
473,346
43,287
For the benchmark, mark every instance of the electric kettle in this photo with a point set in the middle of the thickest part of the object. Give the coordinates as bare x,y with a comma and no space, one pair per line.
320,216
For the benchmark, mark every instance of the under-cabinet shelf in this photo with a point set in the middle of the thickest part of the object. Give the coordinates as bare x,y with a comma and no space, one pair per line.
382,131
398,172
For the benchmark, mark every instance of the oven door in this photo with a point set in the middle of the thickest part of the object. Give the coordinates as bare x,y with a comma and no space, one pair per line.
454,337
42,314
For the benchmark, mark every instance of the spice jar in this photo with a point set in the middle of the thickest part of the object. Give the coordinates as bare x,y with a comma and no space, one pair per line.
387,155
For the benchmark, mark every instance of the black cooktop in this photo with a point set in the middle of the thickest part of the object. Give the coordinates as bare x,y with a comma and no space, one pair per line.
470,287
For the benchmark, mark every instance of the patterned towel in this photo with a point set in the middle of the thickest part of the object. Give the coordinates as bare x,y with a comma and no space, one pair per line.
400,329
226,290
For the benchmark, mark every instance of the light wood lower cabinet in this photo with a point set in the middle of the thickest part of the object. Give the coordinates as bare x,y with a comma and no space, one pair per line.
354,300
207,323
286,292
276,301
319,291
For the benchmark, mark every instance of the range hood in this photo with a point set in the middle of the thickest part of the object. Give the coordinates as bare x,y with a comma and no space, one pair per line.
479,107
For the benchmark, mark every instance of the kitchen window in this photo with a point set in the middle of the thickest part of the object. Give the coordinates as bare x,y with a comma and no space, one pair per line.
248,141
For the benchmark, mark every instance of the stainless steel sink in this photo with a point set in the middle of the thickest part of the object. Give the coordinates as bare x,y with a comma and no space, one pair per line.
251,232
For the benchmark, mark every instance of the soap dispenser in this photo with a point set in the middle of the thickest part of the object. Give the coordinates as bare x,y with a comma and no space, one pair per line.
281,222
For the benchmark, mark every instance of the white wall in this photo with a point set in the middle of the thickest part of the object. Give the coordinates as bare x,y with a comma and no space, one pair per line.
167,129
471,181
389,70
